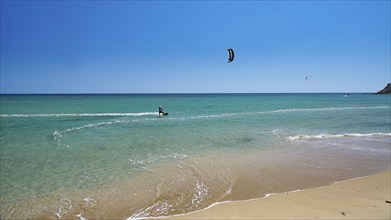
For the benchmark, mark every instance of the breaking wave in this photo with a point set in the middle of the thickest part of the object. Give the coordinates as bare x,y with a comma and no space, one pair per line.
367,142
325,136
331,109
223,115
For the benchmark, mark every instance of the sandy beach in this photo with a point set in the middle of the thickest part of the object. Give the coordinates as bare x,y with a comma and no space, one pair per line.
360,198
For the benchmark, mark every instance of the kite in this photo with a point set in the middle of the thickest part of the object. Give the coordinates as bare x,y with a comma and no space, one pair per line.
230,55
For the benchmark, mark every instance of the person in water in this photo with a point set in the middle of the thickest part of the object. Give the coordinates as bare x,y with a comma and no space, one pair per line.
161,110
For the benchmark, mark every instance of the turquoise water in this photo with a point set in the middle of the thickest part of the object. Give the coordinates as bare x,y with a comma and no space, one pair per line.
63,146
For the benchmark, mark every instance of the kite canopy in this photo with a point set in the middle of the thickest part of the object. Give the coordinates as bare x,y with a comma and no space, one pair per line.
230,55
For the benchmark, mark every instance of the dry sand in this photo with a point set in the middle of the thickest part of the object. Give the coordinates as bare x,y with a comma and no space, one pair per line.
361,198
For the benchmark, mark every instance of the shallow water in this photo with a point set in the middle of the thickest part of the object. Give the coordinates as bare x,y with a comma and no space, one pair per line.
112,156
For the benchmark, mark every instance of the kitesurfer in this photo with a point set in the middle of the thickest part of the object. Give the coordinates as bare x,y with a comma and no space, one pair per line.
161,110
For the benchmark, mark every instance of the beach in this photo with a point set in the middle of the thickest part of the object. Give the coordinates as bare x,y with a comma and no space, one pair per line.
359,198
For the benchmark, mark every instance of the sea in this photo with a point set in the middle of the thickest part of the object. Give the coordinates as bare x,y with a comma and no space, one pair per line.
111,156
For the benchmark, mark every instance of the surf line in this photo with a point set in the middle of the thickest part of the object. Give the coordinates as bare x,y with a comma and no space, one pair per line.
77,115
206,116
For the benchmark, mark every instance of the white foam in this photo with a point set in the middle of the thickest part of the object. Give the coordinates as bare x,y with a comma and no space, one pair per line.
201,193
224,115
80,217
345,135
275,131
57,135
339,140
58,214
330,109
192,117
139,216
89,201
78,115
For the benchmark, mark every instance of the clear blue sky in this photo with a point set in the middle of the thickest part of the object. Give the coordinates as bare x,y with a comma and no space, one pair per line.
180,46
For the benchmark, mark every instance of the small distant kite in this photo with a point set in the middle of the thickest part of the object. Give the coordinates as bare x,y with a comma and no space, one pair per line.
230,55
306,78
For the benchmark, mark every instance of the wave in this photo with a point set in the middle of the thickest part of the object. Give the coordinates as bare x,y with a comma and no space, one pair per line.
78,115
325,136
352,141
331,109
223,115
191,117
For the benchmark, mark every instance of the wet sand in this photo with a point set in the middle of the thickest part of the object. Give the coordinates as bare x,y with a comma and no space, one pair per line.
360,198
195,183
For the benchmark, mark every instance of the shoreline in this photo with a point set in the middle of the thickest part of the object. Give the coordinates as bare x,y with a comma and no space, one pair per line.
253,177
364,197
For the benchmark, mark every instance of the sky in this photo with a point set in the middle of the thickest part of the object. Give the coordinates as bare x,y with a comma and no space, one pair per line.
181,46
